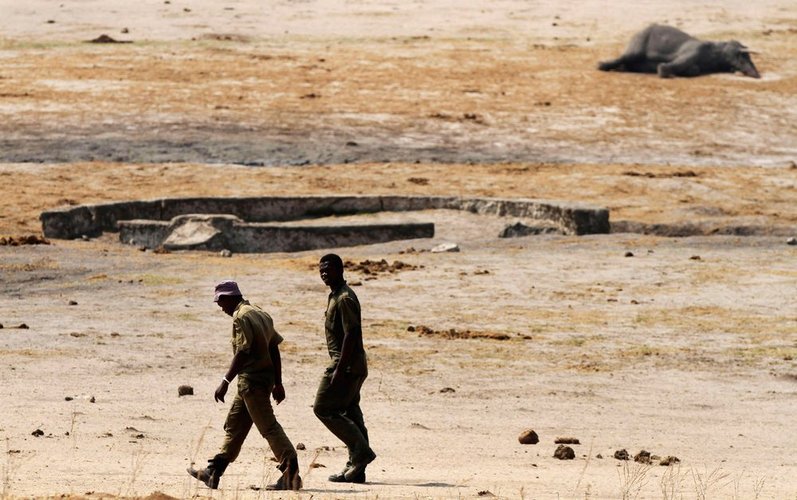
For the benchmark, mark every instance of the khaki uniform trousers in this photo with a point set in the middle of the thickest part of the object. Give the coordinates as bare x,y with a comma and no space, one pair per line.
339,410
251,405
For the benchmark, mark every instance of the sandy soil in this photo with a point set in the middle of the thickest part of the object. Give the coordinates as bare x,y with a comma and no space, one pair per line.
512,82
684,348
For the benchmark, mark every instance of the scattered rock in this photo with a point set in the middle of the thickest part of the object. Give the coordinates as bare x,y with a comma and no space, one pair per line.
694,257
518,230
72,302
475,118
92,399
37,433
106,39
301,446
566,440
15,241
486,493
185,390
629,254
642,457
416,425
23,326
445,247
421,181
447,390
410,328
564,453
316,465
669,460
410,250
599,456
651,175
621,454
528,437
125,31
376,267
225,253
453,333
68,398
791,241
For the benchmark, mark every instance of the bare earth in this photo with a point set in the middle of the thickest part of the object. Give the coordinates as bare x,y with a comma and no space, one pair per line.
683,348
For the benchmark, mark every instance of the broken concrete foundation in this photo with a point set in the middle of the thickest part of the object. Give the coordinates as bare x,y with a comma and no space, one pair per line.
262,224
227,232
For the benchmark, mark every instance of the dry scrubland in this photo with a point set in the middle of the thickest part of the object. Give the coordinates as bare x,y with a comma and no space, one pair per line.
679,346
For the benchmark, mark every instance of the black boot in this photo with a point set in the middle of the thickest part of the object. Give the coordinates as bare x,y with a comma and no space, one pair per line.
341,477
357,469
290,479
211,474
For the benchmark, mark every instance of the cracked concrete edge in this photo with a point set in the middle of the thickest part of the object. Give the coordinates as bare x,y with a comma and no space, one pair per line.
74,222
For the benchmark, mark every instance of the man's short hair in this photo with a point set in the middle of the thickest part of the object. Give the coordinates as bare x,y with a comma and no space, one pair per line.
333,259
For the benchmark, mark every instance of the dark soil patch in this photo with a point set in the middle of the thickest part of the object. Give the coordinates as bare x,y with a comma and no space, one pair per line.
453,333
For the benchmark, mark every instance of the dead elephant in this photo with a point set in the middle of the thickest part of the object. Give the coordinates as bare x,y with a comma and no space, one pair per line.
670,52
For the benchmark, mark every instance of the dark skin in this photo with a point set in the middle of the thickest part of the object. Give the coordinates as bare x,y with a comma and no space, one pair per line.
228,303
332,276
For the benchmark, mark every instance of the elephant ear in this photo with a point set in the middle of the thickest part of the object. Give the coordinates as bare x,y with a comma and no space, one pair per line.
742,47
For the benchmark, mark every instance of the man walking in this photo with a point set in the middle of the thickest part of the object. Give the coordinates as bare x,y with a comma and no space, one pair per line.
257,364
337,403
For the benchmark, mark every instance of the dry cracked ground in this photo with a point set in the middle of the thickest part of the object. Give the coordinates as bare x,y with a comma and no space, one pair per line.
680,346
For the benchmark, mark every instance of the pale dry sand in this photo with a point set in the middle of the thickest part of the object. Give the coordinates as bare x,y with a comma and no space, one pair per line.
661,351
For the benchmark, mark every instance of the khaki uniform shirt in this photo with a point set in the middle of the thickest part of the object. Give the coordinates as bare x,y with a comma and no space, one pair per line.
343,316
253,332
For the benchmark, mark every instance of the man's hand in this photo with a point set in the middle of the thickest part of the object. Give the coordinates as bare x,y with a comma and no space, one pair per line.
221,390
278,393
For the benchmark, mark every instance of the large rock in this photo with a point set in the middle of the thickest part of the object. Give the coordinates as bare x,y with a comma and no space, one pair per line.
564,453
200,232
445,247
528,437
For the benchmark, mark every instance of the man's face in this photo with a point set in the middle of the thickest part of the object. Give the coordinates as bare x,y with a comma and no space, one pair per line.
227,304
330,274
